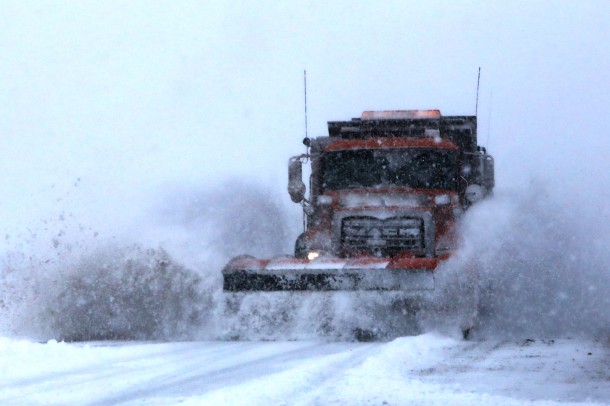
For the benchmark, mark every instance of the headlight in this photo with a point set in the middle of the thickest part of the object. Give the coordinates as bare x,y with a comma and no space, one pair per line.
311,255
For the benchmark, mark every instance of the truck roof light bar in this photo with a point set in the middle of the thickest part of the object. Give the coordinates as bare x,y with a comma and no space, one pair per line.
399,114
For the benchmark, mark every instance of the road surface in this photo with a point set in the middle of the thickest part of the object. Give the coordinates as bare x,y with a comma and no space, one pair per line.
426,369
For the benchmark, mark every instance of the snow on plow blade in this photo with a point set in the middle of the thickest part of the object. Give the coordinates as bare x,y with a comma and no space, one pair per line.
279,274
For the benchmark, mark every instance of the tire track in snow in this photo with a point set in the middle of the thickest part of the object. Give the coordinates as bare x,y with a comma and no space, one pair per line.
156,358
200,380
119,373
361,377
304,382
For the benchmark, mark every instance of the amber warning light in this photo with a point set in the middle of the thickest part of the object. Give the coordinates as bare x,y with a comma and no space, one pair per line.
399,114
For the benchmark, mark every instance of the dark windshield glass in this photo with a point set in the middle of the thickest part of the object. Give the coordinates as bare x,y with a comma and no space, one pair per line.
417,168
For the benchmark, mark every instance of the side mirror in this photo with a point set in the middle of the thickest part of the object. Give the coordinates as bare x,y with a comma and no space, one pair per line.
488,172
483,173
296,187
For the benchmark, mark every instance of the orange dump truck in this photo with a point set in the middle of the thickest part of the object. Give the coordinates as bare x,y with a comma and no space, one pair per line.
385,193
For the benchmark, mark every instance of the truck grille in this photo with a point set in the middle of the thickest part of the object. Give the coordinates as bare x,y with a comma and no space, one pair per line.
382,238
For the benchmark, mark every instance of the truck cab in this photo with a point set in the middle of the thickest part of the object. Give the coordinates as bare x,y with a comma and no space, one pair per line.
390,184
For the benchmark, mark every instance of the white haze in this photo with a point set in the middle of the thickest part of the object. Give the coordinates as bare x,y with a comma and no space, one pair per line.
157,134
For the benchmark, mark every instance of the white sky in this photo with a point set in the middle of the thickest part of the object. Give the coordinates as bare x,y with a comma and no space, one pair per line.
136,97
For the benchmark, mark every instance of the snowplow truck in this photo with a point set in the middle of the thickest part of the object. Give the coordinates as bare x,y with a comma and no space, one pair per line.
386,192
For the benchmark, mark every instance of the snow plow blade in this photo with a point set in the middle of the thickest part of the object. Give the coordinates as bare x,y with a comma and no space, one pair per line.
330,274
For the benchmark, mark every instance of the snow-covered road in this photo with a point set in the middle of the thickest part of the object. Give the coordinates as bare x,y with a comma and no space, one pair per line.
427,369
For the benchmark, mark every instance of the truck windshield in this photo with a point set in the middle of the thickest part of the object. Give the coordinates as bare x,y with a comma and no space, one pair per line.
417,168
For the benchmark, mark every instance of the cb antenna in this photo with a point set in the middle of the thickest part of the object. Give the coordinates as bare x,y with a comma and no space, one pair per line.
476,107
306,140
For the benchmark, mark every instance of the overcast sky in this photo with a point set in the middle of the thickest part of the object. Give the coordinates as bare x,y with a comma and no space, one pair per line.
106,104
